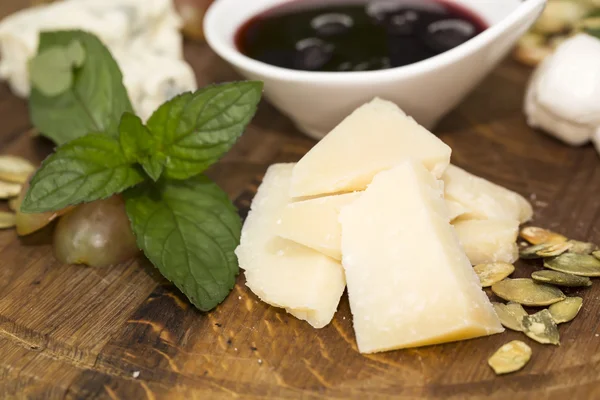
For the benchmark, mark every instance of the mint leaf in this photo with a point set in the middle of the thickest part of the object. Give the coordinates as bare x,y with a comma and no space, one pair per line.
93,99
194,130
154,165
89,168
136,139
189,231
51,72
138,145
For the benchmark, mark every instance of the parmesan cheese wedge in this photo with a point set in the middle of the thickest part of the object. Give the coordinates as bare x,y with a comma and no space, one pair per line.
314,223
282,273
409,281
484,199
489,241
375,137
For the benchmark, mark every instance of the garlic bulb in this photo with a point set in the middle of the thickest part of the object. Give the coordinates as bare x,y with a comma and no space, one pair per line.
563,97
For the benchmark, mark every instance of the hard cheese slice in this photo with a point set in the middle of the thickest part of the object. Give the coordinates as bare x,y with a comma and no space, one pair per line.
282,273
375,137
484,199
409,282
488,241
314,223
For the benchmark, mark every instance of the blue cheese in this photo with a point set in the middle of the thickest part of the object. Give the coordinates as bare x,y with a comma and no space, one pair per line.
138,33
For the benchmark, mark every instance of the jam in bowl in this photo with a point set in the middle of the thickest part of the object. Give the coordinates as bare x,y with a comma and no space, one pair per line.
316,90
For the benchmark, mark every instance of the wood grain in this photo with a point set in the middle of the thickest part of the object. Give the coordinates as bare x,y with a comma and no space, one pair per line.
124,333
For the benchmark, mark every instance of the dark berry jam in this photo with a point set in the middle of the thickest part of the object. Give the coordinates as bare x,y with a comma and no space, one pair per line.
356,35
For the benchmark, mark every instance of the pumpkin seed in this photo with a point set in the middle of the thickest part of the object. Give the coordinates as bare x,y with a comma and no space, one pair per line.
9,189
7,220
560,278
544,250
541,328
566,310
510,357
510,315
582,247
536,235
527,292
555,249
531,252
596,254
491,273
15,169
576,264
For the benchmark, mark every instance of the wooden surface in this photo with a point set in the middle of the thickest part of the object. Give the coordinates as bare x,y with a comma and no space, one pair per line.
73,332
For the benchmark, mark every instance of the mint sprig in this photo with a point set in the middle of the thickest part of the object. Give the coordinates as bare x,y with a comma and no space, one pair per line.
184,223
74,97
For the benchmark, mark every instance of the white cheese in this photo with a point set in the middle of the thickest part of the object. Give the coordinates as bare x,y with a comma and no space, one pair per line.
314,223
282,273
375,137
456,209
484,199
409,282
563,97
136,32
489,241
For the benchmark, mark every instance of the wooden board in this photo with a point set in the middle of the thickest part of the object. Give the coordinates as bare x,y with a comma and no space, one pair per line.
82,333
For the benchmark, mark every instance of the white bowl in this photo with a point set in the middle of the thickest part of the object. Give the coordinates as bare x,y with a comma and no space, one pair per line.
427,90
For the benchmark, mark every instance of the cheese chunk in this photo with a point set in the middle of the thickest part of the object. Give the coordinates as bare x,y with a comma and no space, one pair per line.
456,209
314,223
375,137
409,282
282,273
484,199
489,241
